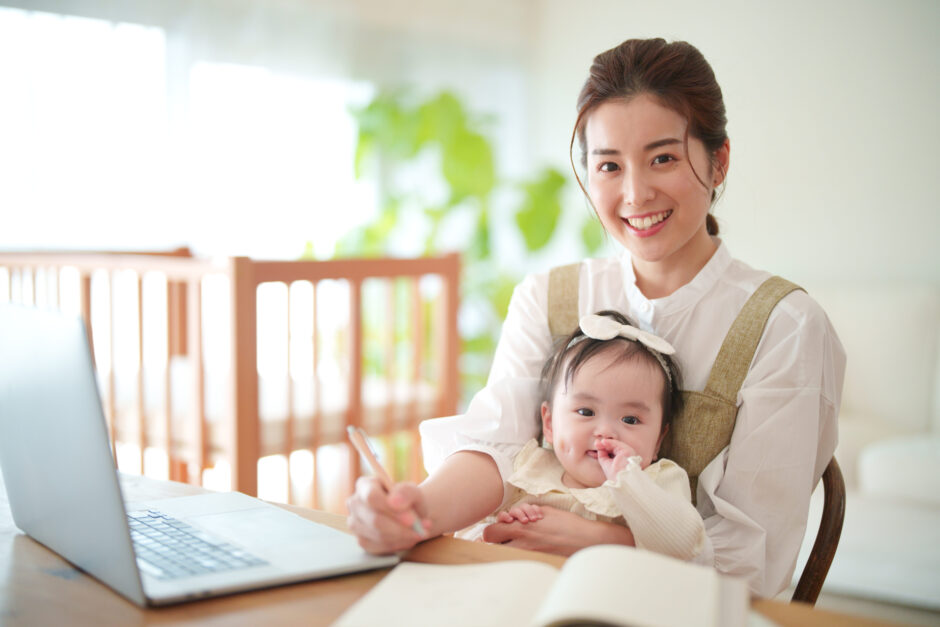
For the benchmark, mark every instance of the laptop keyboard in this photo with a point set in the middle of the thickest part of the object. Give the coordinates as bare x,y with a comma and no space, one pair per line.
168,548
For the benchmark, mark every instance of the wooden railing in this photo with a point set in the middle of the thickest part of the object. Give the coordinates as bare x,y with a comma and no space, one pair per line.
366,342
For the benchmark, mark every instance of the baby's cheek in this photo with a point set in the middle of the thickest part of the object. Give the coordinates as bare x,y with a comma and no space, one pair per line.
562,445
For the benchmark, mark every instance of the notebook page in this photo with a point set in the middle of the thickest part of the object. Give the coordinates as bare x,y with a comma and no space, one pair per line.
464,595
624,586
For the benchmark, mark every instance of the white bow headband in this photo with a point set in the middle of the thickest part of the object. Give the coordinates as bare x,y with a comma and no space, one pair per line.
605,328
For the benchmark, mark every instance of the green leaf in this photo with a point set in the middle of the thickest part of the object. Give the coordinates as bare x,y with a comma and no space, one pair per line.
441,119
541,209
467,165
479,246
592,235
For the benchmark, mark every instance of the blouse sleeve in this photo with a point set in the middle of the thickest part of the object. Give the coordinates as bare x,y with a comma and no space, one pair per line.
754,496
502,417
658,509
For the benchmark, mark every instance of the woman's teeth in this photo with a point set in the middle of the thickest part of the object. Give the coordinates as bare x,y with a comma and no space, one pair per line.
648,221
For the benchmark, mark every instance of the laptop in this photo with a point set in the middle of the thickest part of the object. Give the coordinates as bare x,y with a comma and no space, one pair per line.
63,489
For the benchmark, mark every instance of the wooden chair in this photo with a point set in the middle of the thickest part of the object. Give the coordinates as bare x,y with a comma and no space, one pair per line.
827,538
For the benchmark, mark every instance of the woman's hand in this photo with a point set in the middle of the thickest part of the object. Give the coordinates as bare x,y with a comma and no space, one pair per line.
382,521
557,532
613,455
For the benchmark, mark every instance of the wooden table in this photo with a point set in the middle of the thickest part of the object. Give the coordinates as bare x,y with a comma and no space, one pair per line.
37,587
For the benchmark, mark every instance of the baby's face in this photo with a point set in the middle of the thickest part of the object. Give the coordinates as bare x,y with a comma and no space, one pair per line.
620,401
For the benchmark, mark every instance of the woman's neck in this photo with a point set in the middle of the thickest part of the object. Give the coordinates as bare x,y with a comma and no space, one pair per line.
658,279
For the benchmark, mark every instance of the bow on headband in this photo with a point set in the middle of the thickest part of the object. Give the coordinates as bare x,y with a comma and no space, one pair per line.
604,328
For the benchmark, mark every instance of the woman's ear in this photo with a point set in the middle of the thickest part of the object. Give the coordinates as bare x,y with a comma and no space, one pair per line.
722,161
546,411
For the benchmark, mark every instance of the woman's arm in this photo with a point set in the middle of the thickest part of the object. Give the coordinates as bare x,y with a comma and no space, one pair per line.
465,489
558,532
755,496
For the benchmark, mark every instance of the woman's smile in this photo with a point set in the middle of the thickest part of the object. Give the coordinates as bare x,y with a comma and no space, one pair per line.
647,224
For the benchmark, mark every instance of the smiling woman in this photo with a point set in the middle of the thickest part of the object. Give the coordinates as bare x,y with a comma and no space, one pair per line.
643,180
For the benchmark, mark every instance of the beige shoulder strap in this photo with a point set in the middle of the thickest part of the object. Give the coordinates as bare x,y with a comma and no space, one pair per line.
563,300
737,352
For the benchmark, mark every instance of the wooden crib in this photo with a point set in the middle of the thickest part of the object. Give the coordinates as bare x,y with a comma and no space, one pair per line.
209,369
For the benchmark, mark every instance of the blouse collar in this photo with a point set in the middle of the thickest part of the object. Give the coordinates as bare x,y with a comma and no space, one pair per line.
685,296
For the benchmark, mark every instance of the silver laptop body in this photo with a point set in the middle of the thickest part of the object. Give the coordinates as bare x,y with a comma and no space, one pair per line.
64,492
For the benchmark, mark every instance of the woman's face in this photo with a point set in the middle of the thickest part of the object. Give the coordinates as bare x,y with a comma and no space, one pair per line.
642,185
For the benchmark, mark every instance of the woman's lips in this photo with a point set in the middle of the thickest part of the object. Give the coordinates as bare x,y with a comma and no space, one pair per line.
648,224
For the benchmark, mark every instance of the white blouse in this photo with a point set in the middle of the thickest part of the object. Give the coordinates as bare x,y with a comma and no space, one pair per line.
754,496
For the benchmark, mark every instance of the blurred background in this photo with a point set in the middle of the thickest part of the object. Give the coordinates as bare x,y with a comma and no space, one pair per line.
315,129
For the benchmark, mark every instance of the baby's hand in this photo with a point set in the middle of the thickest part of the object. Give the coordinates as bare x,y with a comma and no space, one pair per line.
613,455
527,512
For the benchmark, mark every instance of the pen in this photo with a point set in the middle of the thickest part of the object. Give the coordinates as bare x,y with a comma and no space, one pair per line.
360,440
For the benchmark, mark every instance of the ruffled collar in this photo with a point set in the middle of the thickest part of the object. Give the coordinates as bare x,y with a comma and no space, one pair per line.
537,471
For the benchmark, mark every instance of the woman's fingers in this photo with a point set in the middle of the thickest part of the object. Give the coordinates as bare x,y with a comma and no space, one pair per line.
382,521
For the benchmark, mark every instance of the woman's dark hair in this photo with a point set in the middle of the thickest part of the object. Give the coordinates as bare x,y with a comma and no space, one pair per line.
676,74
573,351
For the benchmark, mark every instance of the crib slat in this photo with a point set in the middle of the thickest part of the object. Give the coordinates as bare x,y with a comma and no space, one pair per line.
175,465
245,435
316,439
289,423
354,398
141,408
391,323
200,426
416,374
112,403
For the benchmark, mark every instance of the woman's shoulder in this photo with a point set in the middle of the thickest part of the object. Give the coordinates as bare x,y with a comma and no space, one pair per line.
799,307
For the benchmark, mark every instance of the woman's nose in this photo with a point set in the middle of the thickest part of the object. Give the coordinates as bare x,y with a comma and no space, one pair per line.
636,189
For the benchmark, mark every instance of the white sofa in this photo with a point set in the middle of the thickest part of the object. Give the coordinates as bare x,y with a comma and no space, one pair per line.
889,443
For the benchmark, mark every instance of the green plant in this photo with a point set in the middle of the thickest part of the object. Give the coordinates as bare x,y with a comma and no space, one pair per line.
457,181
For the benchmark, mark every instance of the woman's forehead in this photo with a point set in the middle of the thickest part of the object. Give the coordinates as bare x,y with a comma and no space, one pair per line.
635,124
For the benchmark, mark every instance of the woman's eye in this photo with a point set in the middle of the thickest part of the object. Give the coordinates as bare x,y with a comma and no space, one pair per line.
584,411
608,166
630,420
660,159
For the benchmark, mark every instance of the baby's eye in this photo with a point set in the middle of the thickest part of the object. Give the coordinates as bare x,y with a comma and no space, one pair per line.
584,411
630,420
608,166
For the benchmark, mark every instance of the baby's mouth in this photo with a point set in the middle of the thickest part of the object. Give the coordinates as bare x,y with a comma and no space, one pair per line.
649,221
592,454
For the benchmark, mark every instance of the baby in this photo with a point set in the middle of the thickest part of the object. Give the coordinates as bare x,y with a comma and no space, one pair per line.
608,395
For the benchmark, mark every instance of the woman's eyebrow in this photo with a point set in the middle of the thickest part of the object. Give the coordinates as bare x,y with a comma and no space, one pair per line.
659,143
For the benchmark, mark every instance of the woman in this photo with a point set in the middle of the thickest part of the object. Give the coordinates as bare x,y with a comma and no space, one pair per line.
651,128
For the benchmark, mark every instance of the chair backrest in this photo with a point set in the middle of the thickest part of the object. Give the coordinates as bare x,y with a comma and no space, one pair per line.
827,538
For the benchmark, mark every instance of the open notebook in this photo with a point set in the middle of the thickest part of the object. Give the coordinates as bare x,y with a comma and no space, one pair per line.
601,585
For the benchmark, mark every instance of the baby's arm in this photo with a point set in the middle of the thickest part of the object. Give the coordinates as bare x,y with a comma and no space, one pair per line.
660,512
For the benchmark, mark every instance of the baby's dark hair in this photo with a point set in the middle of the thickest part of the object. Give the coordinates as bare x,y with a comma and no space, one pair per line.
573,351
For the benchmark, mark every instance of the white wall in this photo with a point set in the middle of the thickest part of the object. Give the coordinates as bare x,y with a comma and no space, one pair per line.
833,118
832,105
